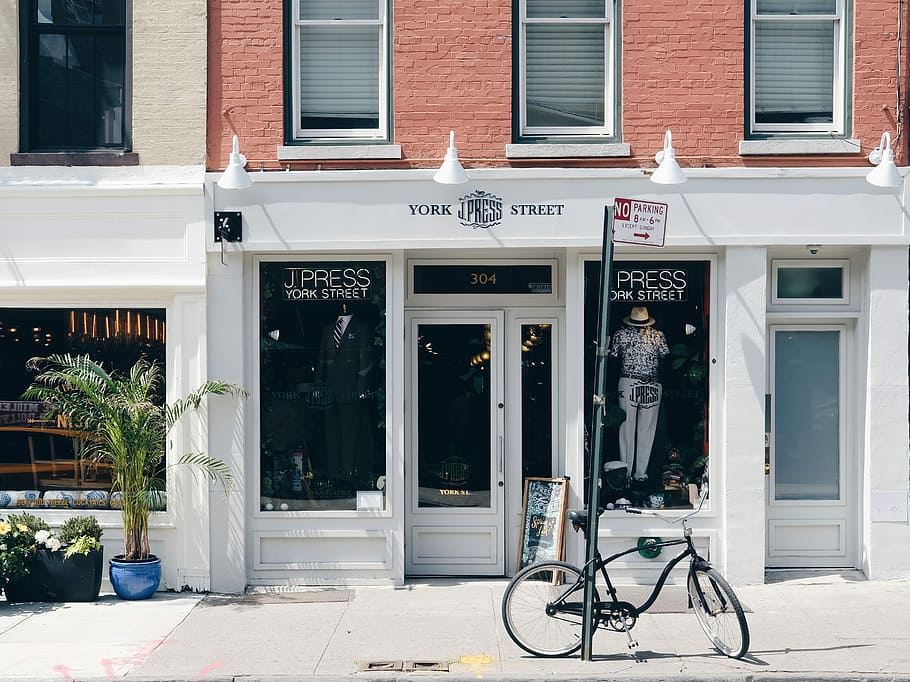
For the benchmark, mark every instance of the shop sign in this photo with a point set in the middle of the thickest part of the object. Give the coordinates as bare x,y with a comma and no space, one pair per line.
341,282
22,412
483,210
643,223
634,285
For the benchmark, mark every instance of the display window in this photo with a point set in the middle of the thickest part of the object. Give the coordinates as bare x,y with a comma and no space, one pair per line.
655,446
322,386
41,462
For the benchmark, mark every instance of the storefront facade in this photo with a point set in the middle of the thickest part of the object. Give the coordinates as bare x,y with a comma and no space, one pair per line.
414,351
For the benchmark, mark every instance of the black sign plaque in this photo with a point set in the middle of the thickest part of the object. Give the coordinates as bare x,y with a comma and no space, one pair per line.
483,278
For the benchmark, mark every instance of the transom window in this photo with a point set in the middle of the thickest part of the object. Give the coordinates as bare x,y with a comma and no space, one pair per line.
75,80
339,69
566,67
798,66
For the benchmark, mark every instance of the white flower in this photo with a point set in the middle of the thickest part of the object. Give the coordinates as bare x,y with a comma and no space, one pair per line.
52,544
42,535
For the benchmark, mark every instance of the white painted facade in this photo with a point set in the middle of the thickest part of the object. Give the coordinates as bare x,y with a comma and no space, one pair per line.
128,237
739,220
144,237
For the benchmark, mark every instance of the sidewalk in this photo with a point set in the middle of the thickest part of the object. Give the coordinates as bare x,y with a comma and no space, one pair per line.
834,627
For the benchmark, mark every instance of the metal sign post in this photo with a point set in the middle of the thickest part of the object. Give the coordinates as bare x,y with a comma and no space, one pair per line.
596,465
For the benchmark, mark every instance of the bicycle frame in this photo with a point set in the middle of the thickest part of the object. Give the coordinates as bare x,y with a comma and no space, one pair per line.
614,603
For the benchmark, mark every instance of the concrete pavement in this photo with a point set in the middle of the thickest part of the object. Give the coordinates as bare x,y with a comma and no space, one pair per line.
822,627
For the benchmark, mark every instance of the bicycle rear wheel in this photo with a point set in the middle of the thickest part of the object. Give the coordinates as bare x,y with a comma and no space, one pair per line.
542,608
718,611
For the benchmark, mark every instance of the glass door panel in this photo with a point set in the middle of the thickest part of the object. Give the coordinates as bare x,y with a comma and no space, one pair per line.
454,405
807,415
536,396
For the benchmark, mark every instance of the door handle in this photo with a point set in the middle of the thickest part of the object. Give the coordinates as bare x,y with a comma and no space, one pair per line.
500,455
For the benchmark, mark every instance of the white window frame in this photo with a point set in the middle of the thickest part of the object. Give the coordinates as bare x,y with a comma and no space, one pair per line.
344,134
609,73
838,19
832,263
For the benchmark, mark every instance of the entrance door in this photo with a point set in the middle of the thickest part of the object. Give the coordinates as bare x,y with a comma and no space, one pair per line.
455,463
811,512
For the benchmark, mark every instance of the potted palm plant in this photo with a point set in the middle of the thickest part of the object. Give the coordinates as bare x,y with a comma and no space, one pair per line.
125,423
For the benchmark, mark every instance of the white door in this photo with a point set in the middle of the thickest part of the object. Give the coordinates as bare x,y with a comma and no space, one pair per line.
811,481
454,469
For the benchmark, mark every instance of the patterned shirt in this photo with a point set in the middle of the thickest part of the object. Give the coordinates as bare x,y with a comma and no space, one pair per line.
640,351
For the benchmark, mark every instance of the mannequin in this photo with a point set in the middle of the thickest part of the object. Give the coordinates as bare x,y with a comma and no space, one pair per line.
342,369
640,349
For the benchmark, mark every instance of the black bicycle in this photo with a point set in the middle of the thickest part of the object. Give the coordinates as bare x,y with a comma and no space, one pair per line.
543,604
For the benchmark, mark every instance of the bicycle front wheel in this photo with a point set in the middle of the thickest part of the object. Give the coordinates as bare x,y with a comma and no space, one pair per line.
718,611
542,608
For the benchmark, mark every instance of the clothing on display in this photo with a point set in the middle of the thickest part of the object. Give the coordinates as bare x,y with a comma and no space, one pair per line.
342,369
640,349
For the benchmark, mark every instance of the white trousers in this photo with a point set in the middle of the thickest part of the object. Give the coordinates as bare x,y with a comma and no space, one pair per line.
641,402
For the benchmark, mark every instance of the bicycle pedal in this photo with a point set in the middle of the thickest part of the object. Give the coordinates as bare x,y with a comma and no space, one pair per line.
633,644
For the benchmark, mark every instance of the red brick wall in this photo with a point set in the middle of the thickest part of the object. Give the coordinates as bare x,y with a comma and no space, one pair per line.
682,69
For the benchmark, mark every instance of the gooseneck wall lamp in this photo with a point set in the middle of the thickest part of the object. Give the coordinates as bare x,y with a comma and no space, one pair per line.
668,171
235,175
451,172
885,172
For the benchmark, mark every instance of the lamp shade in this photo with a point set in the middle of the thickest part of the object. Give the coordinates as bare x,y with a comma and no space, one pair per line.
668,171
235,175
885,172
451,172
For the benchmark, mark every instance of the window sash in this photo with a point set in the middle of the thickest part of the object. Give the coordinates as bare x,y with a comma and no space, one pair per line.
806,82
76,88
549,101
355,81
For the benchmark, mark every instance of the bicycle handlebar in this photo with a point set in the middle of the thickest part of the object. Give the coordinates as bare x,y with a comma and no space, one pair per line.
683,517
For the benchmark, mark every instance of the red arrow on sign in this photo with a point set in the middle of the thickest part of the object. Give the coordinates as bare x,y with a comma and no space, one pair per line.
644,235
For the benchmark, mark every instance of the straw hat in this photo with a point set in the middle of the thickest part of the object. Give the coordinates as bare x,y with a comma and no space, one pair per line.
639,318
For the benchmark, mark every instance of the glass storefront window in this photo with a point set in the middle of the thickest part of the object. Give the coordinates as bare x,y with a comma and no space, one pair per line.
322,385
40,463
656,417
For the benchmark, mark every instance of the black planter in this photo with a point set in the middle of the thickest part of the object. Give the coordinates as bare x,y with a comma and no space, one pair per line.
54,578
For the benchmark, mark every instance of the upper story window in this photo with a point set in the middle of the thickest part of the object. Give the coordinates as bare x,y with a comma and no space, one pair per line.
798,60
566,67
339,67
74,76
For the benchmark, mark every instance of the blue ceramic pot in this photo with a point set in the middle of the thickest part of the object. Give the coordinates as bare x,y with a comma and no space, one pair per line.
135,579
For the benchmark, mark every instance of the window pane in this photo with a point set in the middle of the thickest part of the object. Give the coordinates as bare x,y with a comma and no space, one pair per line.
79,93
794,72
540,9
39,465
79,12
339,77
796,7
810,282
323,415
673,448
565,75
806,415
322,10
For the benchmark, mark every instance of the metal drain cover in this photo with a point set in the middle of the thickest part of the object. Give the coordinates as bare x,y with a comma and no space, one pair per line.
405,666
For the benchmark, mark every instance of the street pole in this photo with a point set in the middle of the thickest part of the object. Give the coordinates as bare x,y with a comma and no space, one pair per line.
597,416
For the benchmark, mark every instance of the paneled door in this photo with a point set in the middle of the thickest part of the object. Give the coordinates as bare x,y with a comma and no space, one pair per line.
454,464
811,467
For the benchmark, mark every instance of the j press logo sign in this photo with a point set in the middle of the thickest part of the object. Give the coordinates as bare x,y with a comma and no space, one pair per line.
658,284
484,210
325,284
